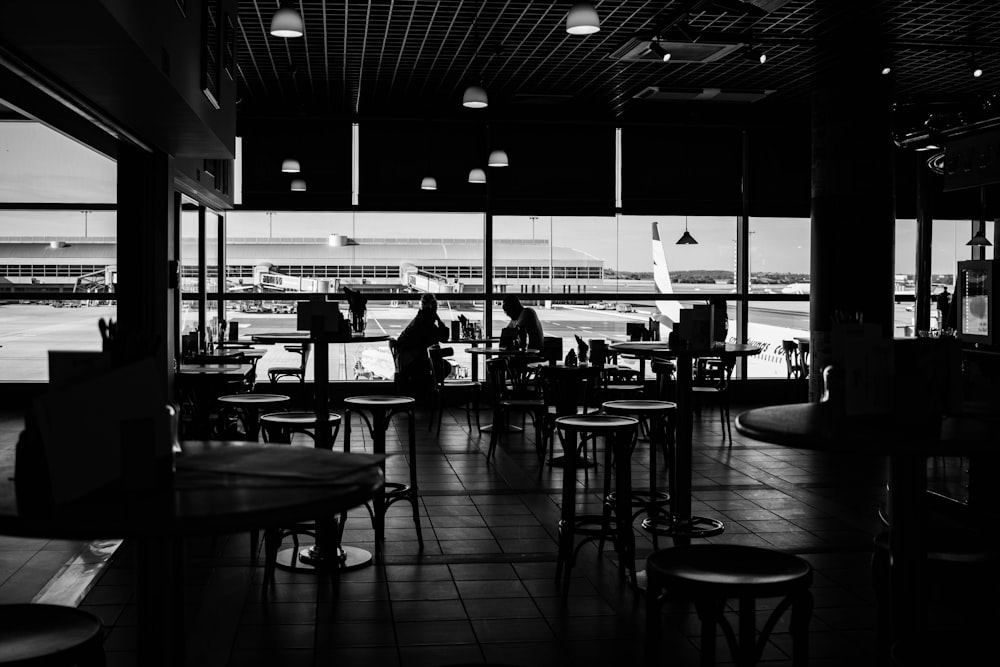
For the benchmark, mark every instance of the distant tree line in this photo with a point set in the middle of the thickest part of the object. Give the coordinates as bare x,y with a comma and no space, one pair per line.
712,276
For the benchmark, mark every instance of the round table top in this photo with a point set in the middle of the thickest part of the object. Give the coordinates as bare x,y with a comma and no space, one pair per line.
298,418
596,422
627,406
501,351
214,369
247,353
817,426
379,400
218,487
476,341
255,399
661,348
561,367
304,337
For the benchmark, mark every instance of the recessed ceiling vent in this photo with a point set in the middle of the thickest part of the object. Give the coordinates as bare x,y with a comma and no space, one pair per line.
637,50
654,93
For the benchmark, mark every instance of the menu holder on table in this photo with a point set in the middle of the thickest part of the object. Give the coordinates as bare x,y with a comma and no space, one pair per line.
97,426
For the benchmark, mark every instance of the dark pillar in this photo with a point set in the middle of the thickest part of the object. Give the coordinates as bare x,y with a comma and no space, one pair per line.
853,209
145,290
925,229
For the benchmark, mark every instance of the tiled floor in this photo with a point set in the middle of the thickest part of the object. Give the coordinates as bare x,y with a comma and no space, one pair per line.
482,591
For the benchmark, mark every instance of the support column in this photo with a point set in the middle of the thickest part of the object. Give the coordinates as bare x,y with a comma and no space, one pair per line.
925,229
853,203
146,231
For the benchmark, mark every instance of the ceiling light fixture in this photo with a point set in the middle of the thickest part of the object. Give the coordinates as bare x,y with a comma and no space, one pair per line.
686,238
754,54
291,166
429,183
886,70
477,175
298,185
659,51
582,19
475,98
979,239
498,158
974,68
287,22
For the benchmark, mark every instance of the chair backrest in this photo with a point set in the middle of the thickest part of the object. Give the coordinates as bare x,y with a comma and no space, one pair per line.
436,355
496,377
306,350
791,350
714,372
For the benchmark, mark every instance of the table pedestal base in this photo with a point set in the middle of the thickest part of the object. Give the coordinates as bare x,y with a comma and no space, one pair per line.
488,428
696,526
583,462
308,559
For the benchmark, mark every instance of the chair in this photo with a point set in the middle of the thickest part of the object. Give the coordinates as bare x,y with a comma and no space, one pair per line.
793,364
51,635
710,574
615,520
508,398
711,382
804,357
442,387
275,373
278,428
382,409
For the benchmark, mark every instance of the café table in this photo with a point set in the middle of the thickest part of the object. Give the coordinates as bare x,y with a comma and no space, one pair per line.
203,383
218,488
907,440
680,524
486,353
475,343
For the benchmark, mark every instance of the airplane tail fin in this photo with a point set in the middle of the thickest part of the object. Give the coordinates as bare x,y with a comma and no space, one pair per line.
670,311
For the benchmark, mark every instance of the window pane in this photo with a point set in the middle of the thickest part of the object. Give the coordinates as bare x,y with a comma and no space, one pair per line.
779,255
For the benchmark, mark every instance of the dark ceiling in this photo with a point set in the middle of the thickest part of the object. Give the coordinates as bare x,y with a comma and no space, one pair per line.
415,57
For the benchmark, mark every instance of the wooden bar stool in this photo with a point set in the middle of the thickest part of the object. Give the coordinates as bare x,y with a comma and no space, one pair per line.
709,574
48,634
382,409
277,428
614,523
658,414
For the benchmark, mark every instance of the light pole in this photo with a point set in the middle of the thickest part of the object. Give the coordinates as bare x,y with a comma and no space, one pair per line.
533,218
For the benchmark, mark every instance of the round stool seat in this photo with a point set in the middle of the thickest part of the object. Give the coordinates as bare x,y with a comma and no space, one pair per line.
596,423
638,406
49,634
297,418
729,570
377,400
254,399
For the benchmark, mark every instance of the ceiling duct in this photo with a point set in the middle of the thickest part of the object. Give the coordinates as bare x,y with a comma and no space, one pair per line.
637,50
657,94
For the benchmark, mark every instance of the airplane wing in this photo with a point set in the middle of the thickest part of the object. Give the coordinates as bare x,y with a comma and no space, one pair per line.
669,311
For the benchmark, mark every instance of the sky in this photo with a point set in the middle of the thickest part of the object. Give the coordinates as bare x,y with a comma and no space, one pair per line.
38,164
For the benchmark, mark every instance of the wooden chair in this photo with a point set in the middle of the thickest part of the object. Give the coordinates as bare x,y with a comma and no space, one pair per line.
793,365
506,400
713,376
443,388
275,373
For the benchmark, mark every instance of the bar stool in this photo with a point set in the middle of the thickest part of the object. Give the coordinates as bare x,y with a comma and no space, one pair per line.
277,428
614,523
658,415
382,408
248,407
709,574
48,634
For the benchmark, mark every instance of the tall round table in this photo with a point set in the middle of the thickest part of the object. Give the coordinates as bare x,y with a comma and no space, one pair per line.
680,524
907,440
486,353
218,488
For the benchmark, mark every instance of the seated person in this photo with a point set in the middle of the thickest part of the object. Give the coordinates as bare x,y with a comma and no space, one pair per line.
425,330
524,318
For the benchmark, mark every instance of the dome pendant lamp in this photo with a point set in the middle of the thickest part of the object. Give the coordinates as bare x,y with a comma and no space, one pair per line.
477,175
429,183
582,19
298,185
475,98
287,22
291,166
498,158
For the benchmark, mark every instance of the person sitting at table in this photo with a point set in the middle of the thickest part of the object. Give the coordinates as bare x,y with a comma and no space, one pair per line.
524,318
425,330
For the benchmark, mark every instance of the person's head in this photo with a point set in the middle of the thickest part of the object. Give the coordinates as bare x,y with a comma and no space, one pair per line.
428,302
512,306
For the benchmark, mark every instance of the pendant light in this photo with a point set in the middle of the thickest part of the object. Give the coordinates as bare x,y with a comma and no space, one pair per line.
298,185
498,158
429,183
287,22
291,166
582,19
686,238
979,239
477,175
475,98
